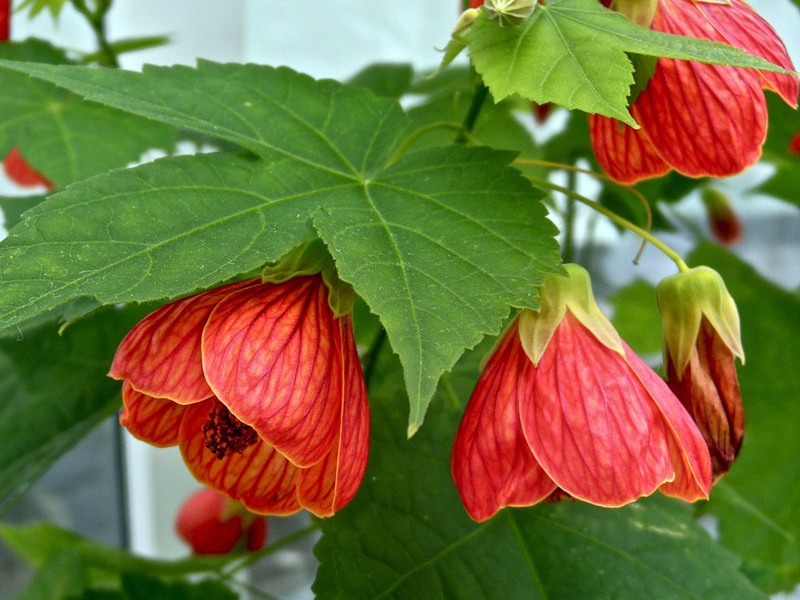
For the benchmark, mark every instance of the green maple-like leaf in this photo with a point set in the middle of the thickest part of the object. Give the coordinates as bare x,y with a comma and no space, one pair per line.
438,243
64,136
574,53
407,536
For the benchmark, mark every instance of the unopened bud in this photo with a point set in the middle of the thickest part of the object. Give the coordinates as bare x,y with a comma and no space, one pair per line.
723,222
509,12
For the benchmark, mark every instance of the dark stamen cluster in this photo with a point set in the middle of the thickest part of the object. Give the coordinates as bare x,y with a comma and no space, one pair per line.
225,434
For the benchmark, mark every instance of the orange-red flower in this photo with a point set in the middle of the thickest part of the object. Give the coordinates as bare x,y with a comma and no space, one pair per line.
701,341
20,172
564,406
696,118
261,387
212,523
794,145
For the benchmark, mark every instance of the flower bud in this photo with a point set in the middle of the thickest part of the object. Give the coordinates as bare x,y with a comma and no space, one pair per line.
723,222
212,523
509,12
701,339
794,145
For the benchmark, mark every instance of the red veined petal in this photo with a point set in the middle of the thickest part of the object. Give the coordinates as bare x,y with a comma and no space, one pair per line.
591,423
152,420
329,485
161,355
272,355
624,153
259,477
492,465
690,457
740,26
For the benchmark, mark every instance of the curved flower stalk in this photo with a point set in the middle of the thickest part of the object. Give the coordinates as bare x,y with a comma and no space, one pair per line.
212,523
701,341
260,385
565,407
696,118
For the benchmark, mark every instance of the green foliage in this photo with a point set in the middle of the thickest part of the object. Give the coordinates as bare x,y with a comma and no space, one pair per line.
34,7
406,535
438,242
13,208
756,503
63,136
53,390
636,317
574,53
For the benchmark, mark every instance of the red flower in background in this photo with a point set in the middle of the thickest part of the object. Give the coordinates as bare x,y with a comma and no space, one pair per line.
212,523
696,118
794,145
5,19
261,387
566,407
20,172
724,223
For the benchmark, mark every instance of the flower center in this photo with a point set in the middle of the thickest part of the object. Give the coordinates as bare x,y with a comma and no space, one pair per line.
225,434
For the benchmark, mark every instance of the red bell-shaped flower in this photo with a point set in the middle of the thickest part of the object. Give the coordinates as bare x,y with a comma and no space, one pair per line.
696,118
260,385
564,406
212,523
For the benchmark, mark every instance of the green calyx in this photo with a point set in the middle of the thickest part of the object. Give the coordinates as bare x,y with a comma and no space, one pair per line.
641,12
683,300
311,258
560,293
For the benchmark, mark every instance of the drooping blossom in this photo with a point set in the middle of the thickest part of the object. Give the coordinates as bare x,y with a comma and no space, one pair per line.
260,386
565,407
696,118
701,340
212,523
724,223
20,172
5,20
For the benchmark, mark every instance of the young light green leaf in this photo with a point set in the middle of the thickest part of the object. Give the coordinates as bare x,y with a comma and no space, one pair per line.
573,53
756,503
439,244
406,534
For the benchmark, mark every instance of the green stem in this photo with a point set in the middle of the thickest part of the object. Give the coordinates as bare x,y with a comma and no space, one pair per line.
569,222
96,21
414,136
448,390
286,540
478,98
621,221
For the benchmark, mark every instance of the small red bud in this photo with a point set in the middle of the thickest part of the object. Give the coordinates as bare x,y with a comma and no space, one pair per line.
212,523
723,222
794,145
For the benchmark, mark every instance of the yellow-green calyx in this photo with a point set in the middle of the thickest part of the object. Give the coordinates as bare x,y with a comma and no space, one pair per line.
557,295
309,259
509,12
683,300
641,12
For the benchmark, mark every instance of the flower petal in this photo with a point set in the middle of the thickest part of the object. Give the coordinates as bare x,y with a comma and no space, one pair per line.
259,477
623,152
591,423
272,355
740,26
329,485
152,420
161,356
690,457
492,465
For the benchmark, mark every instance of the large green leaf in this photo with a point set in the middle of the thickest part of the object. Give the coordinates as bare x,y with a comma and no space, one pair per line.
53,389
757,502
406,534
573,53
62,135
438,243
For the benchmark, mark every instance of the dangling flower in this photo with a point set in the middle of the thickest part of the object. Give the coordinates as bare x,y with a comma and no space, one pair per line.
724,223
20,172
701,340
260,385
212,523
696,118
565,407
